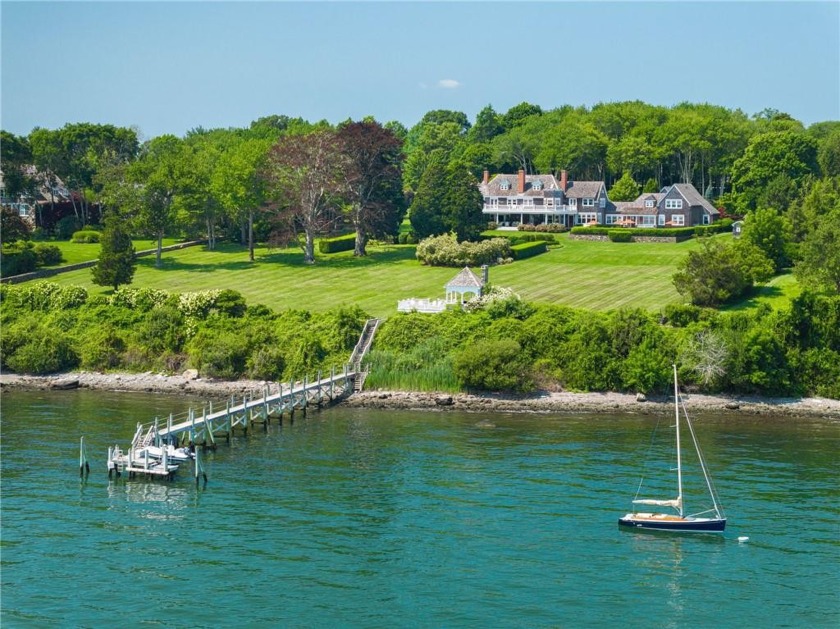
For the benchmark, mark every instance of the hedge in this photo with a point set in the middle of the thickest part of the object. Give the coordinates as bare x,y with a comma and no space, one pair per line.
339,243
620,235
657,232
528,249
85,235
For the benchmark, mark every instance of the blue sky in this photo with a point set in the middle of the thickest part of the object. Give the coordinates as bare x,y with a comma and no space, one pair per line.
167,67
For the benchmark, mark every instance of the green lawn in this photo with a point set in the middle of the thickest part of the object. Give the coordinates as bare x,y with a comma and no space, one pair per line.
777,293
75,252
596,275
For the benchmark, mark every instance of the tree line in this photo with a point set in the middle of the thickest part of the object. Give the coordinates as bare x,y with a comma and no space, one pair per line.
286,180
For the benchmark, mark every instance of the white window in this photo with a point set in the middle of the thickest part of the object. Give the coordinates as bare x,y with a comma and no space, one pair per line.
586,217
603,202
549,202
661,219
573,203
505,185
589,203
612,219
705,219
646,221
673,204
529,202
678,219
537,185
649,203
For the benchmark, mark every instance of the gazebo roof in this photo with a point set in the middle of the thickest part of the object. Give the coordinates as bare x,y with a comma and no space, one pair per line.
465,279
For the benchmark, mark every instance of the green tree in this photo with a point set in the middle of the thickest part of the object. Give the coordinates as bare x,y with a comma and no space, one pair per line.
517,114
117,261
771,232
239,184
426,211
767,156
711,275
818,265
487,126
463,204
625,189
828,154
12,226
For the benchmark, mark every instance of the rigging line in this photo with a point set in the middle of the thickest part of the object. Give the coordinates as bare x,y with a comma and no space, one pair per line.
647,457
706,474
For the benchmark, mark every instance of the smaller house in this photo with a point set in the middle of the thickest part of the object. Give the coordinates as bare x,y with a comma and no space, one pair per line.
679,205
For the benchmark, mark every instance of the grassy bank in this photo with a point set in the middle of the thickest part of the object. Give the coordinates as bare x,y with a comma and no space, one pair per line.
582,274
75,252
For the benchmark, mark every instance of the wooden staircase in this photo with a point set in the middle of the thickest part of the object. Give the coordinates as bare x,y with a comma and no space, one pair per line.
359,353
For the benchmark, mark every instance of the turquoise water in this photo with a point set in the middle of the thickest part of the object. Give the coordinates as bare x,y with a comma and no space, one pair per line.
352,518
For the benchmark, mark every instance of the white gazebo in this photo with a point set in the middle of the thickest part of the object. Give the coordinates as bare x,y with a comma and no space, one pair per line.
465,283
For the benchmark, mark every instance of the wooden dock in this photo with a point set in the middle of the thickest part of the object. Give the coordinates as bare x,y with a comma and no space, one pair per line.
205,427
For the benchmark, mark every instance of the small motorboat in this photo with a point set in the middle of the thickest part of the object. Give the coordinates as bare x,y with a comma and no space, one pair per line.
173,454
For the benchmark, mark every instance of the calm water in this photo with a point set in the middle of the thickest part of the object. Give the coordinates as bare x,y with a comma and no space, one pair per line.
399,519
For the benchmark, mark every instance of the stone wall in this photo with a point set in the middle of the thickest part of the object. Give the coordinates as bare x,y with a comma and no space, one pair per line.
44,273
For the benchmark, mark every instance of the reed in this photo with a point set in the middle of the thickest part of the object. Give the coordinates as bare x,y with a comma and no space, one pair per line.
427,368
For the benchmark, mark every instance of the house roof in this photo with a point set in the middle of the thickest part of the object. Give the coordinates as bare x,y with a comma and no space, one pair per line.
694,198
465,279
493,188
584,189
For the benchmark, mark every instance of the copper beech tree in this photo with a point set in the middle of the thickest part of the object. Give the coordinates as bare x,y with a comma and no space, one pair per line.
306,176
375,203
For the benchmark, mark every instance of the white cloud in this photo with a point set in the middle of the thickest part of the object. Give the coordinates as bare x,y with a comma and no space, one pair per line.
449,84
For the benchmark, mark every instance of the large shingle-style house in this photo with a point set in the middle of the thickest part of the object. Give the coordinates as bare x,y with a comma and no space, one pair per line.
511,200
679,205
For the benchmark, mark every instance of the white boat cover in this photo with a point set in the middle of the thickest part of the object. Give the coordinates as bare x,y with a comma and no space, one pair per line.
676,503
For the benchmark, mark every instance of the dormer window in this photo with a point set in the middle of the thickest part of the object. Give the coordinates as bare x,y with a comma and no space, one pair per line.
537,185
505,185
649,203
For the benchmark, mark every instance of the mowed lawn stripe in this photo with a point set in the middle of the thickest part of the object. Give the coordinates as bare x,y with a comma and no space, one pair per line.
584,274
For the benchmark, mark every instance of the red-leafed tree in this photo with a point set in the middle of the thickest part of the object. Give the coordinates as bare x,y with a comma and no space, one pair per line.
306,175
373,181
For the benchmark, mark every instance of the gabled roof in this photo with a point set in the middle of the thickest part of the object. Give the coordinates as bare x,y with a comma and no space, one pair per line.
694,198
584,189
493,188
465,279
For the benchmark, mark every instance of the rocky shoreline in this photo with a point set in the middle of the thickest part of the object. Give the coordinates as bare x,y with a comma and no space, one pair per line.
543,402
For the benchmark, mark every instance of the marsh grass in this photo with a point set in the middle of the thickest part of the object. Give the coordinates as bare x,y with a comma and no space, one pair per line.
426,368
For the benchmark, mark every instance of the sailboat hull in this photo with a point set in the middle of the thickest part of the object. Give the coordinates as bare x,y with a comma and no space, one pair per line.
659,522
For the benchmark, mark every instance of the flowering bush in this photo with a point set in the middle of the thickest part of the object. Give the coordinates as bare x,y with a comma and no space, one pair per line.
446,251
198,304
45,296
143,299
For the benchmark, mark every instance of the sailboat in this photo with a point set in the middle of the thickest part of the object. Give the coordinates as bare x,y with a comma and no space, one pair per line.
711,520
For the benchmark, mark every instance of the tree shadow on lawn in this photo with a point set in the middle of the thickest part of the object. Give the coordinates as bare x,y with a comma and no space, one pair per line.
172,264
758,295
342,260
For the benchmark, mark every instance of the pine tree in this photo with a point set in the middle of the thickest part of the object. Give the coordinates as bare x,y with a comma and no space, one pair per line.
117,261
463,204
625,189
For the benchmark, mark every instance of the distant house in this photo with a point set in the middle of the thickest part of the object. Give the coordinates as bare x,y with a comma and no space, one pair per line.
48,193
679,205
513,200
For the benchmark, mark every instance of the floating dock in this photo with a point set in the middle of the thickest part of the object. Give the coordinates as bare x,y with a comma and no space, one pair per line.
203,429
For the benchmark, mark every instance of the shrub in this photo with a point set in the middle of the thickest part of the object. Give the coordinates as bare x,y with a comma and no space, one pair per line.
101,350
48,255
339,243
446,251
45,296
591,231
85,236
65,227
230,303
141,299
45,352
493,366
407,238
17,261
266,363
620,235
528,250
218,354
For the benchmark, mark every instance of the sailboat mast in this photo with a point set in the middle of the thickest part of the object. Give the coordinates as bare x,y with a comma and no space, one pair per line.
679,458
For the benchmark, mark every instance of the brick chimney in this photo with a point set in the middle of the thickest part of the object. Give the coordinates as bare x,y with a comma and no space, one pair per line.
486,177
563,180
521,181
